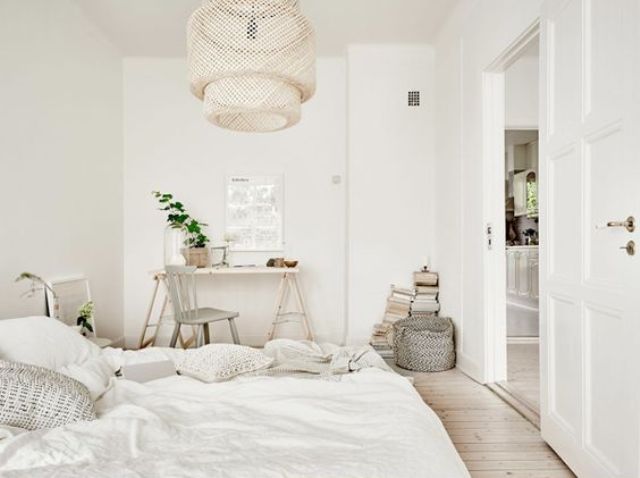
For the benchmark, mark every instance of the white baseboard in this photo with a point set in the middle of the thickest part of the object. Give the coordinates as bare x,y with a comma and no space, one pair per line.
117,343
163,340
522,340
469,368
250,340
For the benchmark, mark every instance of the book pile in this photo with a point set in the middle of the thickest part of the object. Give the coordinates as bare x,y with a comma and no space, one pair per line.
380,341
419,300
398,307
425,300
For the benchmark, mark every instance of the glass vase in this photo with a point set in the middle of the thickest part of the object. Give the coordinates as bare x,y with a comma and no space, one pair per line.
174,240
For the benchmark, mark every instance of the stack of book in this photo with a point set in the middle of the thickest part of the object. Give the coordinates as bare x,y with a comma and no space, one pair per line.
380,340
426,293
419,300
398,307
399,304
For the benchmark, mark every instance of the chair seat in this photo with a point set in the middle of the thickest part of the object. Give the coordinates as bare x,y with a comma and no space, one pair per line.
208,314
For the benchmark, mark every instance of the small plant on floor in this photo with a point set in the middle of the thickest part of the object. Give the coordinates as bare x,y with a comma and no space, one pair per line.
85,318
178,218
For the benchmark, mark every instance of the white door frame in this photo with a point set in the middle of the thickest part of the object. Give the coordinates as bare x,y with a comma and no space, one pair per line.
493,99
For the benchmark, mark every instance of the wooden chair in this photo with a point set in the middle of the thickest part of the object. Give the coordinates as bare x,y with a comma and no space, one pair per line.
182,290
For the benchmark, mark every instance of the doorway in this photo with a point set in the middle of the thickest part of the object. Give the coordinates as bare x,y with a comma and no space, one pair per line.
522,257
512,88
590,136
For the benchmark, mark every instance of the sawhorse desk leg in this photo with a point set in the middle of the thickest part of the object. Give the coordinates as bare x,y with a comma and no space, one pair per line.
289,284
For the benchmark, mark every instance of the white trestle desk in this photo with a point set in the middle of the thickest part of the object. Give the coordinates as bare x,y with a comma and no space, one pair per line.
288,286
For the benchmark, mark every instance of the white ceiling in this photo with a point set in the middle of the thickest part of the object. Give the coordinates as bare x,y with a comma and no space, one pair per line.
157,27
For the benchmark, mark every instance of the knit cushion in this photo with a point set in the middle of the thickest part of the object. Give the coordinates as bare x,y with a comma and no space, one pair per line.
218,362
33,397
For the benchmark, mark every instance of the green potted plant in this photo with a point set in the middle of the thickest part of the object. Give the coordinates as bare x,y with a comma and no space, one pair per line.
185,236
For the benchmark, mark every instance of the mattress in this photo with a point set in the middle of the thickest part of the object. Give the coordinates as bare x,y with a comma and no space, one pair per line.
370,424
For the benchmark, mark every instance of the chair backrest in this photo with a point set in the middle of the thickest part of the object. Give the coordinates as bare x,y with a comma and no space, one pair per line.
182,290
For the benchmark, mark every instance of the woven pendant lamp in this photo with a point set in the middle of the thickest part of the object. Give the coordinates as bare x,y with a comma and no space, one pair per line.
252,62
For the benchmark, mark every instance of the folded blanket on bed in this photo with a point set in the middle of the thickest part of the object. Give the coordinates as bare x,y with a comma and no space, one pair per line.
312,360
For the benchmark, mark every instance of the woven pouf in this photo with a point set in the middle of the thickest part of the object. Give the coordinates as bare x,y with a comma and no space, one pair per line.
424,344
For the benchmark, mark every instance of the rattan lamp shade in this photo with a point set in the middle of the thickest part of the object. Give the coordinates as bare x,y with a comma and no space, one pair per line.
252,62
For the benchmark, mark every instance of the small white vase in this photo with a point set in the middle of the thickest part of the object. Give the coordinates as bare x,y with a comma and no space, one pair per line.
174,240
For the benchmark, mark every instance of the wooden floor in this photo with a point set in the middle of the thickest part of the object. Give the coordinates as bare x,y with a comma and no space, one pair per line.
492,438
523,373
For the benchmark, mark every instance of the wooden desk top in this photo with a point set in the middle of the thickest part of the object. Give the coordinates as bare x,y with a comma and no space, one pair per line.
239,270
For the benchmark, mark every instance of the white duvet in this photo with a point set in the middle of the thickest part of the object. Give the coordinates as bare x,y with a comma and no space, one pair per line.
370,424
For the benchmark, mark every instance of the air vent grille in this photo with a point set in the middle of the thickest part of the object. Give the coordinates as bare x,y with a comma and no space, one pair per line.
414,98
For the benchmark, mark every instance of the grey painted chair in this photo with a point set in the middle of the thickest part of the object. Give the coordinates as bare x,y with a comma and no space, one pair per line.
182,290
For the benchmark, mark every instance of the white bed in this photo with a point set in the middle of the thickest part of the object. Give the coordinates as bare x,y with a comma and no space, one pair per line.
368,424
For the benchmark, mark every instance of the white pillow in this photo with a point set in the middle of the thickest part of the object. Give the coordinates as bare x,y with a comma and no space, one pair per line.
96,374
218,362
44,342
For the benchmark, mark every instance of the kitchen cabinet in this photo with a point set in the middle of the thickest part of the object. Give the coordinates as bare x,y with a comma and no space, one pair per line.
521,157
534,270
512,272
522,273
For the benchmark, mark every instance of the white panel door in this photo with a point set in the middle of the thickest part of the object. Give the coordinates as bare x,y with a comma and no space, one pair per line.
590,285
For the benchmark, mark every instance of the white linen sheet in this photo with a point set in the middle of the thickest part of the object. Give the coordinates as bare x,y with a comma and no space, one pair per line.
369,424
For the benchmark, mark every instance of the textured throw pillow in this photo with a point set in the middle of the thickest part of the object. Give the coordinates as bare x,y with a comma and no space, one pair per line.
34,397
218,362
45,342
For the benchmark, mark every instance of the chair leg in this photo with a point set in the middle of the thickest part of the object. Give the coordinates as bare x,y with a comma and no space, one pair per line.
234,332
207,339
174,336
199,335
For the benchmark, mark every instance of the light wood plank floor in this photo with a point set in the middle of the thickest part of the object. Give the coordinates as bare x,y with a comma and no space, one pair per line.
492,438
523,373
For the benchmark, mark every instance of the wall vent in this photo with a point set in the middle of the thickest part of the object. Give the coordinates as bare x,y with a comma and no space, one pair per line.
414,98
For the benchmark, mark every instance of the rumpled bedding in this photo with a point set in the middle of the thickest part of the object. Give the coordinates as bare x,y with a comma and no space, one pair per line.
313,360
368,424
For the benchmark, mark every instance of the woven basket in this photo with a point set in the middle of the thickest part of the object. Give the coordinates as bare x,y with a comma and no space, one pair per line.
424,344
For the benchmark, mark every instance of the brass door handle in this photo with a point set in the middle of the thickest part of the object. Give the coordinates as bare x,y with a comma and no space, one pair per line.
629,224
630,247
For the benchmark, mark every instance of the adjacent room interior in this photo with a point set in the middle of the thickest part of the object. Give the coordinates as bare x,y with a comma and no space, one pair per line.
522,227
319,238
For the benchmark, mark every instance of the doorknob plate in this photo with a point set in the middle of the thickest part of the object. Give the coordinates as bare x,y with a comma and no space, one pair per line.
630,247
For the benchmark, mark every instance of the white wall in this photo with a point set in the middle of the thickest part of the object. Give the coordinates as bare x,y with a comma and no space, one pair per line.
169,146
521,92
391,175
469,42
60,156
389,215
68,124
